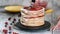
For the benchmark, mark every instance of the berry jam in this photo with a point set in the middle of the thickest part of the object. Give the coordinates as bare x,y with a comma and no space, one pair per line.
33,8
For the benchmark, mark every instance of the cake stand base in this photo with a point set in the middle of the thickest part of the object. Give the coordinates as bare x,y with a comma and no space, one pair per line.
46,26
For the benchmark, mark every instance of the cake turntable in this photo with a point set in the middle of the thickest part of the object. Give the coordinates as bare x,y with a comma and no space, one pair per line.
46,26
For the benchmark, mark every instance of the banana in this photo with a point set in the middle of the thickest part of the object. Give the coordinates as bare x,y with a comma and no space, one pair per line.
49,11
13,8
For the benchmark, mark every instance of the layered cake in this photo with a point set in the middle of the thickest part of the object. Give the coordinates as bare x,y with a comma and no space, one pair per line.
32,17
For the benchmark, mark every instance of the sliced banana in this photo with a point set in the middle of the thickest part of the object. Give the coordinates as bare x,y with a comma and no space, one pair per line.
49,11
13,8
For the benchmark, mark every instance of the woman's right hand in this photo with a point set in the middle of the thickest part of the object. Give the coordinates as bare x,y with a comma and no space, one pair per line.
57,27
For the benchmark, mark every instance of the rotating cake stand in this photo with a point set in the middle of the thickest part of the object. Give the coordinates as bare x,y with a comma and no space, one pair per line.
46,26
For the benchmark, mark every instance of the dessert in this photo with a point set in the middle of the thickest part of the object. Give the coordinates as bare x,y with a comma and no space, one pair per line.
32,17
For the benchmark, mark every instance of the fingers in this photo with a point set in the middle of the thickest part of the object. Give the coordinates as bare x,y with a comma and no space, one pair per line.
58,17
57,27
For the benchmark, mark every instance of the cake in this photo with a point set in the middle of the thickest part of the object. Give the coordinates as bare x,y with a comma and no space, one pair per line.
32,17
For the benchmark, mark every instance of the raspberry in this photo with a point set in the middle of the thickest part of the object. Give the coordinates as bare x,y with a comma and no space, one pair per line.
5,31
15,33
32,9
6,23
9,27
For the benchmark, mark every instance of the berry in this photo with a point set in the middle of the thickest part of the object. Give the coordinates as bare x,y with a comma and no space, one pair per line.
14,19
9,32
32,9
10,23
9,27
9,18
6,23
13,22
5,31
15,33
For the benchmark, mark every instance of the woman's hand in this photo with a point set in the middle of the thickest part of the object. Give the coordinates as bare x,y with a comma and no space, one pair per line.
57,26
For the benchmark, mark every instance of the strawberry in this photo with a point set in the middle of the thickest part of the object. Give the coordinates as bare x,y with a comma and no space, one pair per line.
32,9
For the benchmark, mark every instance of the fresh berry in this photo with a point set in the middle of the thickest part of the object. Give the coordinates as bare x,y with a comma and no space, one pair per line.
15,33
10,23
32,9
5,31
6,23
9,18
14,19
13,22
9,32
9,27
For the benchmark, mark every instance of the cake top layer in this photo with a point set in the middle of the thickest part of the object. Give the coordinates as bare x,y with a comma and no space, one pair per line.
33,8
